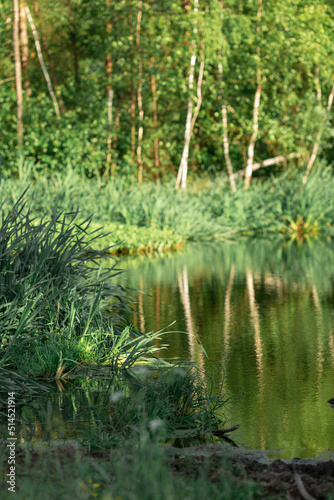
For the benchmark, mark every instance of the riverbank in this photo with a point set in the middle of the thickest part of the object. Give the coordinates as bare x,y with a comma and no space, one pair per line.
150,217
157,472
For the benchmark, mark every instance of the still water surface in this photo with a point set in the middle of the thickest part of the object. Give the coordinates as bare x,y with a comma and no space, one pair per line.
264,312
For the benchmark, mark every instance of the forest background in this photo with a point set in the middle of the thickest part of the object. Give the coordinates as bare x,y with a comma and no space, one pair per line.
152,88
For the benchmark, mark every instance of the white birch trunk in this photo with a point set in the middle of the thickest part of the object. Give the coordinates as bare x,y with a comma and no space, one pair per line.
318,138
193,121
183,168
109,145
185,154
41,60
250,156
226,148
225,128
251,146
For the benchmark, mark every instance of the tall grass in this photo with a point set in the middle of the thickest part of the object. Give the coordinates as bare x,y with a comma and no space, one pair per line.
57,303
207,210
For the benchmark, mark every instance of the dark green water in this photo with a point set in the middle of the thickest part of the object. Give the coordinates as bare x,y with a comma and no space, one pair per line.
268,307
264,312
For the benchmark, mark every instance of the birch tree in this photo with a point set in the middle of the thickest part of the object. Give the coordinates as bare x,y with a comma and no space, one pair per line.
183,168
24,46
319,134
41,23
42,63
250,158
155,106
18,72
139,94
110,92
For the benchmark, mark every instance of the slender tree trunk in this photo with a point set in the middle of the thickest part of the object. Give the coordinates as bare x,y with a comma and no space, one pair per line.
226,148
193,121
109,142
250,157
75,57
18,73
224,114
317,84
139,94
185,153
41,60
318,138
155,120
133,98
24,46
110,93
75,51
182,172
133,121
155,108
49,58
114,142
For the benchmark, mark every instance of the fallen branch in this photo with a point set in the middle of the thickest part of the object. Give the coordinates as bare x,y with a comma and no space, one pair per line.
267,163
301,488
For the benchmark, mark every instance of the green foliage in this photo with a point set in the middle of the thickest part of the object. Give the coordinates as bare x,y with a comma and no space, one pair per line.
174,402
69,473
292,43
157,217
58,306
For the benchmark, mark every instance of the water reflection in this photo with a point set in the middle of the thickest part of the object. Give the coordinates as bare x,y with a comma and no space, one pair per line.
195,353
271,306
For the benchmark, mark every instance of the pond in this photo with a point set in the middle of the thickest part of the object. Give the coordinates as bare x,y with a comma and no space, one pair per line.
264,313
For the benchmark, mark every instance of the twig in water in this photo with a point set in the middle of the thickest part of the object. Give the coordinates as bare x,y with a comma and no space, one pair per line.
219,432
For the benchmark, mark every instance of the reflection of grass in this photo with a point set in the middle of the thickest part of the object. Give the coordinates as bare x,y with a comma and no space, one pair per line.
129,424
169,402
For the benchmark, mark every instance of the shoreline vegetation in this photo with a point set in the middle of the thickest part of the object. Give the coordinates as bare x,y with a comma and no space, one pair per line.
152,217
61,315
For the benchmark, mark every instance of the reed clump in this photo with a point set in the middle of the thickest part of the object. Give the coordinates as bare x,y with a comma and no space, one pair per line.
58,305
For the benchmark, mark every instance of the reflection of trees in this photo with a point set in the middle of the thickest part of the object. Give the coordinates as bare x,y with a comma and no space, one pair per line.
331,346
196,354
255,321
227,309
140,304
274,304
319,321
